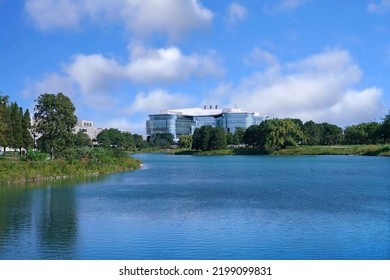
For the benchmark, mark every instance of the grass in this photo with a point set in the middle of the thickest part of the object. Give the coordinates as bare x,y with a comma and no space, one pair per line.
13,169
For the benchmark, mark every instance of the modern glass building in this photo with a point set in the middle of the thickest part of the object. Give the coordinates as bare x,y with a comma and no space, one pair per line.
184,121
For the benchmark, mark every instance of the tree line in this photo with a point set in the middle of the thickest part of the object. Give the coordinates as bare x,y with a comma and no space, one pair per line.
276,134
54,122
15,126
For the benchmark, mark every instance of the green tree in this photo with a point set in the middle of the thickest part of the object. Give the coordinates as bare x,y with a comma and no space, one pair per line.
385,128
280,133
274,134
111,137
8,136
16,114
4,122
82,139
238,136
217,139
331,134
54,120
162,140
312,132
185,141
28,141
253,136
363,133
201,138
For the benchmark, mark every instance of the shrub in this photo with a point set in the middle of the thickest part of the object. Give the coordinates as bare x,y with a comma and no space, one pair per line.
34,156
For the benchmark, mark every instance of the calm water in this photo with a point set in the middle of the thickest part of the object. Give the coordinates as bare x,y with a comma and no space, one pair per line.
227,207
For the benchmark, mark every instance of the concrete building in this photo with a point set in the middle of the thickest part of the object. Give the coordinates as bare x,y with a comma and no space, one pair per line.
88,128
184,121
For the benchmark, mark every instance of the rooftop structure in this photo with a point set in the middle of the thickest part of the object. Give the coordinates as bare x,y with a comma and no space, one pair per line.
184,121
88,128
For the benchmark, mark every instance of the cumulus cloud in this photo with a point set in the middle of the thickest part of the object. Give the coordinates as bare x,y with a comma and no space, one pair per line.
321,87
96,73
381,6
259,57
142,17
158,99
235,13
170,64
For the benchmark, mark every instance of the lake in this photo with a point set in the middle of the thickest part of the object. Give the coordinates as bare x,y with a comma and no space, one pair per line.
206,207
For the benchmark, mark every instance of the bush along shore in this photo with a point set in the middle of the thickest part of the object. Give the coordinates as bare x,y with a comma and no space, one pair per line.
35,166
360,150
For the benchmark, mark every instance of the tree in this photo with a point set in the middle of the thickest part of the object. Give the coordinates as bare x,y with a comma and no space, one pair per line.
7,136
28,140
110,138
185,141
82,139
385,128
312,132
331,134
217,139
252,136
162,140
201,138
280,133
238,136
16,115
363,133
54,120
4,122
274,134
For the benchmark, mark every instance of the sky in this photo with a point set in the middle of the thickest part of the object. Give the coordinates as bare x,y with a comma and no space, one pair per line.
121,60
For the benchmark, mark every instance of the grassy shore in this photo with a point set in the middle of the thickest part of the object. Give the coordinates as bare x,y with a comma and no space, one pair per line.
363,150
14,169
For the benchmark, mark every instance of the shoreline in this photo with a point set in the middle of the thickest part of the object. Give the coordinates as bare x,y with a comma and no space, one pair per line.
21,172
353,150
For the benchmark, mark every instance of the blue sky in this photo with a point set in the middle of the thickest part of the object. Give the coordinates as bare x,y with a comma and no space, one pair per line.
120,60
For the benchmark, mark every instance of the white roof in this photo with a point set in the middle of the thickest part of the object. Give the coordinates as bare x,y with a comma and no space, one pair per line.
198,112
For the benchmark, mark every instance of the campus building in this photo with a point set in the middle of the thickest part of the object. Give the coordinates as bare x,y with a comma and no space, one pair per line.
184,121
88,128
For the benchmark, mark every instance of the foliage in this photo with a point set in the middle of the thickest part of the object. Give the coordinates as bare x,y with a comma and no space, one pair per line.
54,120
274,134
253,136
34,156
185,141
364,133
28,141
85,161
208,138
82,139
385,128
331,134
161,140
312,132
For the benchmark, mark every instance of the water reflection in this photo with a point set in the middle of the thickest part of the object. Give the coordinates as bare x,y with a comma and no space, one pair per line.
40,219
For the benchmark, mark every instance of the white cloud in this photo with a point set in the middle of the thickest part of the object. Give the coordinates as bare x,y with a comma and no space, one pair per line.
290,4
142,17
319,87
96,74
146,66
156,100
235,13
165,65
284,5
49,14
379,7
259,57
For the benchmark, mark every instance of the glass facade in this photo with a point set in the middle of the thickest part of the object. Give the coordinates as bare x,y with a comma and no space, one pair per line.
177,123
